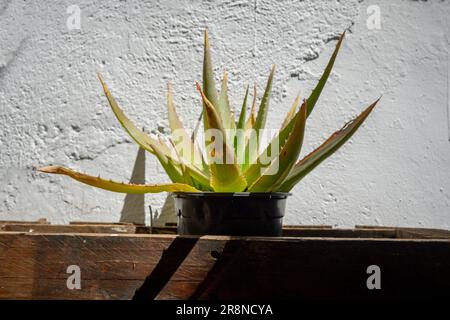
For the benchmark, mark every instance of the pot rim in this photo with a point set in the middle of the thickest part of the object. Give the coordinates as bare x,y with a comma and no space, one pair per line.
230,194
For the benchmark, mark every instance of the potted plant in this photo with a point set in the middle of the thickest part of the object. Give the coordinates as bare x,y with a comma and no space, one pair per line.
231,185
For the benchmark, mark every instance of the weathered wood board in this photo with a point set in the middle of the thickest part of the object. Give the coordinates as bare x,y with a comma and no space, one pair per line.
309,262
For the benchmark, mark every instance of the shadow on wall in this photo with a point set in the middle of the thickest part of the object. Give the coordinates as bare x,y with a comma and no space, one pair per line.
168,214
133,210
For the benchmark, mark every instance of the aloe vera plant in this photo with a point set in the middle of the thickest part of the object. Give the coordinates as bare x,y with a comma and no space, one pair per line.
231,163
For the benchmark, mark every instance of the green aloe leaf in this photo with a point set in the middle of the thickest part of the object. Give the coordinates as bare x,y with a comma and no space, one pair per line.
177,170
251,153
160,150
223,105
201,178
209,84
187,172
186,177
225,175
252,117
280,167
118,186
197,126
264,106
249,133
315,94
333,143
239,139
224,111
184,142
288,125
253,172
291,112
243,113
140,137
172,168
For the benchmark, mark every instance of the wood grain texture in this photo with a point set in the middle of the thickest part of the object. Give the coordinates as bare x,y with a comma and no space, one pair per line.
48,228
309,263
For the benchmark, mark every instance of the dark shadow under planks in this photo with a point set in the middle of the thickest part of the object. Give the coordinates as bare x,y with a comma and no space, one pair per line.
214,267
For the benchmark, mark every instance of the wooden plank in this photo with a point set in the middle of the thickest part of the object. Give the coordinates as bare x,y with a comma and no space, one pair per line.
374,227
87,228
367,232
157,230
90,223
411,233
298,227
415,233
41,260
339,233
48,228
333,268
288,231
169,267
39,221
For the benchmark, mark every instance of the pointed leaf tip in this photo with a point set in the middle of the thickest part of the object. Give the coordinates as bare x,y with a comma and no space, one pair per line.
197,86
315,94
326,149
206,39
119,186
49,169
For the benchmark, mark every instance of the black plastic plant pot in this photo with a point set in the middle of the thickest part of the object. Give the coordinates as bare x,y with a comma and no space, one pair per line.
236,214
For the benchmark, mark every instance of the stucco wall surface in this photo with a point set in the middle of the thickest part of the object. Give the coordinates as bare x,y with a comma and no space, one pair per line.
394,171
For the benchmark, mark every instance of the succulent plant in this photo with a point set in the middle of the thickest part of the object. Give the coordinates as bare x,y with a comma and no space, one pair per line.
232,163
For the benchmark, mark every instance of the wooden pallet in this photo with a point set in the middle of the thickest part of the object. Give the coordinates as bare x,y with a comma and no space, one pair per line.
122,261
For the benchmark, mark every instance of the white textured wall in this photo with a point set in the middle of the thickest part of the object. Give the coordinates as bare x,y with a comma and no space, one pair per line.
394,171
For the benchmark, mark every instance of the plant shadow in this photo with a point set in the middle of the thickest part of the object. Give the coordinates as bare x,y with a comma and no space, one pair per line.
133,210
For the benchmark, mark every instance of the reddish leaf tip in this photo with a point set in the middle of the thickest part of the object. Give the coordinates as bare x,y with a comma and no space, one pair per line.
49,169
199,89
